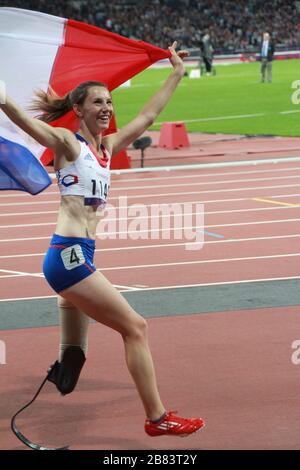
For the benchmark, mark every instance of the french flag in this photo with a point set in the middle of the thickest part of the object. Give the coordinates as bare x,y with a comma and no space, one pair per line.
40,50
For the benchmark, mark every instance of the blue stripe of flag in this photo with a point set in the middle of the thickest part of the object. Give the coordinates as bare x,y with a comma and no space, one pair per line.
20,170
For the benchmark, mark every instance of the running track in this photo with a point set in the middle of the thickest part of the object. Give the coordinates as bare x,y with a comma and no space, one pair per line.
252,231
232,367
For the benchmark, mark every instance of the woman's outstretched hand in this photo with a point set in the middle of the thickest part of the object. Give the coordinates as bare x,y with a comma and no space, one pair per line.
176,58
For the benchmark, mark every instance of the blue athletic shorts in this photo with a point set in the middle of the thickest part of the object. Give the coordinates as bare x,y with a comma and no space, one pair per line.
68,261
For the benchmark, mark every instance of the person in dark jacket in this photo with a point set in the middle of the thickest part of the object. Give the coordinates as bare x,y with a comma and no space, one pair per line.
207,53
266,54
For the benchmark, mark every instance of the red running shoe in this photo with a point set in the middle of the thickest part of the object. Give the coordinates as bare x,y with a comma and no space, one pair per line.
173,425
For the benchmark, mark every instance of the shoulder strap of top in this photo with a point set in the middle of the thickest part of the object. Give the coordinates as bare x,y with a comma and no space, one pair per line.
102,161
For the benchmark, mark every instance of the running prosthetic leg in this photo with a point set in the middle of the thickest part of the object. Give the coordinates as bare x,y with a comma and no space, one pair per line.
64,375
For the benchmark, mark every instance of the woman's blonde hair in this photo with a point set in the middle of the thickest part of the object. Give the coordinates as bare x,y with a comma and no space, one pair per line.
51,106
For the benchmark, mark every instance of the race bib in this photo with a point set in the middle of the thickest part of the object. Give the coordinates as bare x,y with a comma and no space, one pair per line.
72,257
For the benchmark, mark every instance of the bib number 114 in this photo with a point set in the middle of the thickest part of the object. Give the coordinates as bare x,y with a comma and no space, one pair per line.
104,188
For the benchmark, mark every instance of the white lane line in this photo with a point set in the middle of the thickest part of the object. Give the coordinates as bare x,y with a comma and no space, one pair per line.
164,178
8,276
205,261
181,185
19,273
216,118
284,196
224,118
40,297
203,175
207,201
41,275
42,224
16,214
183,263
204,166
181,286
290,112
221,283
128,288
171,229
162,195
202,183
166,245
211,191
256,209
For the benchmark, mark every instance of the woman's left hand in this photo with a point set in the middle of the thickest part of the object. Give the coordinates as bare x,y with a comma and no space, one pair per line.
176,58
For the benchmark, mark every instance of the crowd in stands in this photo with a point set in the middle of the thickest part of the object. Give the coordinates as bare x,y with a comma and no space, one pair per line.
234,26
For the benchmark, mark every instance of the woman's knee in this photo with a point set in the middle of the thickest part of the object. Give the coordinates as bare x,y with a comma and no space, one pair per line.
137,329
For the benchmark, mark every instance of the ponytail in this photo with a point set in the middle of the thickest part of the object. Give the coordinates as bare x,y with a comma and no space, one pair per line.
51,106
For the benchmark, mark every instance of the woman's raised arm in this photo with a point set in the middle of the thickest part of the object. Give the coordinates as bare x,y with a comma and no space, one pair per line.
152,108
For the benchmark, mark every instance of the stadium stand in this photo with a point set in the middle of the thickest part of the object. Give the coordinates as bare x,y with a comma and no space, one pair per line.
234,27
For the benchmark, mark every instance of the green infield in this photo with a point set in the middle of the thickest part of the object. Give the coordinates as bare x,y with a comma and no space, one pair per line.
234,101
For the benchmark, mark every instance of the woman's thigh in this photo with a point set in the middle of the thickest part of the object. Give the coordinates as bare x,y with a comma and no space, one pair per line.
100,300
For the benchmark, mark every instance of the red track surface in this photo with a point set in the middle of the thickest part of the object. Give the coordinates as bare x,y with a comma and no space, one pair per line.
234,369
260,238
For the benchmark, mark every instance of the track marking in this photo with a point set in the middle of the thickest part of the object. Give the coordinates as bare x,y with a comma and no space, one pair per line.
217,118
171,229
290,112
182,185
179,263
136,287
197,175
255,209
275,202
203,183
41,275
272,279
141,196
20,273
203,166
224,118
208,201
205,261
207,284
166,245
216,235
30,298
285,196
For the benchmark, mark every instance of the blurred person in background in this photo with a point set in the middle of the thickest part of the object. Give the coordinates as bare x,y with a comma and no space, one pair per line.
266,54
207,51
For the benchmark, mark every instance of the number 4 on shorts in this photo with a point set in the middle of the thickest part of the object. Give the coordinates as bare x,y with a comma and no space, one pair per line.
72,257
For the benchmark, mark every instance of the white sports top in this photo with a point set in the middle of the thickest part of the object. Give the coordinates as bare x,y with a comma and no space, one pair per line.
87,176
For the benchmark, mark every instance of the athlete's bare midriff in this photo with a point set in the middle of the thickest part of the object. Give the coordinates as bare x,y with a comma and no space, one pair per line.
75,219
